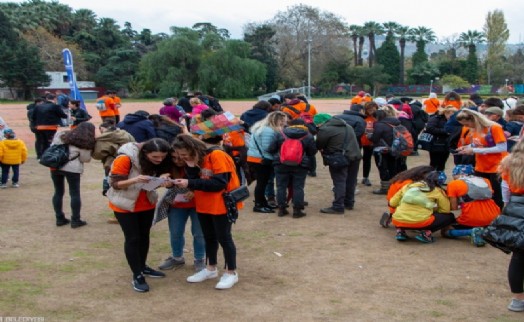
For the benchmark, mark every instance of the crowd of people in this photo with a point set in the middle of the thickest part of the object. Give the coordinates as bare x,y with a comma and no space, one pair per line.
276,147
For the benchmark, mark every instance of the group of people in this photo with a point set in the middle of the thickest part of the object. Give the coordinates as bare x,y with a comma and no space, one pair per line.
276,147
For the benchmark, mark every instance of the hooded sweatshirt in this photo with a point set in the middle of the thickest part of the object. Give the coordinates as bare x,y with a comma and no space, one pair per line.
12,151
138,126
107,145
252,116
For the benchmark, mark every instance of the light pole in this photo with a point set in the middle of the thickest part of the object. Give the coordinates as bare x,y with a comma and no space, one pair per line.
506,87
309,68
430,86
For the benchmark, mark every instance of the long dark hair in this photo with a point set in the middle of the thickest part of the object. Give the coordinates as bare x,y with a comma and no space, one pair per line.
82,136
194,146
154,145
432,180
415,174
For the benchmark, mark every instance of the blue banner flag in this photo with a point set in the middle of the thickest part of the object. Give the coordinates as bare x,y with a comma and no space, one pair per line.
75,93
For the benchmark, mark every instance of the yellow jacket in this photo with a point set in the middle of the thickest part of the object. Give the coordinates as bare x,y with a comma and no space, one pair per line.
12,151
409,213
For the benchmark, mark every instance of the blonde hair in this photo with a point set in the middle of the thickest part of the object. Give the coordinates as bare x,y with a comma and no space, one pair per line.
480,120
195,101
468,104
513,165
271,120
389,110
446,110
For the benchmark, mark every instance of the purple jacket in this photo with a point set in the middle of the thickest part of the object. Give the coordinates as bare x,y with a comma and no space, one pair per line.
171,111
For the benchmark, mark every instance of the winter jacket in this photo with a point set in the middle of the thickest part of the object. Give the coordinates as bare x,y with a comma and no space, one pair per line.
264,137
126,198
299,106
107,145
77,155
168,132
47,114
420,117
197,109
138,126
506,232
436,127
252,116
383,131
513,128
295,132
331,136
12,151
355,120
80,116
173,112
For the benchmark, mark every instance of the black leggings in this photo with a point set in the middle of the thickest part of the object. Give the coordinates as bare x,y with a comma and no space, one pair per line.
438,160
73,180
516,272
217,230
366,160
263,173
136,227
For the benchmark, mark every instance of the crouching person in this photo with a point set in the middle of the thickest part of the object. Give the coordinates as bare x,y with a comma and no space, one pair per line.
421,205
341,153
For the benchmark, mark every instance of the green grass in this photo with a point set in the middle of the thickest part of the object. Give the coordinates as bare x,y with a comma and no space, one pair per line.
6,265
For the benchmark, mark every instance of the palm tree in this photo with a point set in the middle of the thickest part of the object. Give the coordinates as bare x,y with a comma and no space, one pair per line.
470,39
372,29
421,36
355,32
390,28
403,33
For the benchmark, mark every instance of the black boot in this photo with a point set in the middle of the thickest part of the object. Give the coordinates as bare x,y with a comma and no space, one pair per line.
263,209
298,213
62,221
78,223
282,211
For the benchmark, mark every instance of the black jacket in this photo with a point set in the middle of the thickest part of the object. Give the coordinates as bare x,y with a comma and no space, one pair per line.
420,117
252,116
437,127
80,115
506,232
383,131
47,113
355,120
295,132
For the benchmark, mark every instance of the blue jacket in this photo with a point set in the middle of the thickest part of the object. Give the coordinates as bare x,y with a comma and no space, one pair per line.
264,138
138,126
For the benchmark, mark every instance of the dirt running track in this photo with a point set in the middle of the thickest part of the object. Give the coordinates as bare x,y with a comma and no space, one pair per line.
318,268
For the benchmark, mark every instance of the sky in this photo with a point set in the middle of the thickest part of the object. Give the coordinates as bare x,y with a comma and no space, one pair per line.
444,17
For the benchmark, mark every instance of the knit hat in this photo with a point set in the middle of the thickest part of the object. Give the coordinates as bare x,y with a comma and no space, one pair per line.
321,118
361,93
380,101
463,169
9,134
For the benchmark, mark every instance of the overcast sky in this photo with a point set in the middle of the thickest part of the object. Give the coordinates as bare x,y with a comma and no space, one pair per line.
444,17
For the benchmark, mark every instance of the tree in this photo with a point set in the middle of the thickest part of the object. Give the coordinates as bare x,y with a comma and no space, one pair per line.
421,36
497,34
294,28
403,33
229,72
371,76
389,57
261,39
372,29
469,40
423,73
355,32
454,81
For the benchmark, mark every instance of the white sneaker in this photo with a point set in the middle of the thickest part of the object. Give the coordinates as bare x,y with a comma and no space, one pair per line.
203,275
227,281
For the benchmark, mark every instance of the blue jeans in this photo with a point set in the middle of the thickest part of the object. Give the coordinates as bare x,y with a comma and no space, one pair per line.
5,172
177,219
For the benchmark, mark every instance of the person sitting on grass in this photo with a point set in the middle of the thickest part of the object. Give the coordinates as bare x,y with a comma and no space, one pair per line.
472,195
421,205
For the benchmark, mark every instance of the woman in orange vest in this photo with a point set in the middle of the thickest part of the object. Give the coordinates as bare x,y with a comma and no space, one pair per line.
211,172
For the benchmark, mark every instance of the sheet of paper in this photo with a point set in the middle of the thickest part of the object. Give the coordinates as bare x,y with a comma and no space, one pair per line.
154,182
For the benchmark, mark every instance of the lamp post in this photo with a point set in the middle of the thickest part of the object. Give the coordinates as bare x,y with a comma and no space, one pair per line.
506,87
309,68
430,86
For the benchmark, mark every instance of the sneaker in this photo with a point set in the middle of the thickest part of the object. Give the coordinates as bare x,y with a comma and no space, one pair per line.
15,185
332,210
516,305
476,237
148,271
366,182
227,281
401,235
172,262
3,186
78,223
203,275
425,237
200,264
62,222
139,284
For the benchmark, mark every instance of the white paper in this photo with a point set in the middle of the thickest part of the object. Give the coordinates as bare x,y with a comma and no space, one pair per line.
154,182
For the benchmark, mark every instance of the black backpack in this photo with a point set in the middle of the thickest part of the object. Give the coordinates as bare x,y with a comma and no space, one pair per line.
56,156
212,102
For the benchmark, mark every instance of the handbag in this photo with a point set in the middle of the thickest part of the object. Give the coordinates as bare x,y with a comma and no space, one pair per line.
424,141
337,159
231,198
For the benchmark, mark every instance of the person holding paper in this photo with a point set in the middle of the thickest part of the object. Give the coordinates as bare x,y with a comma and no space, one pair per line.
134,207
